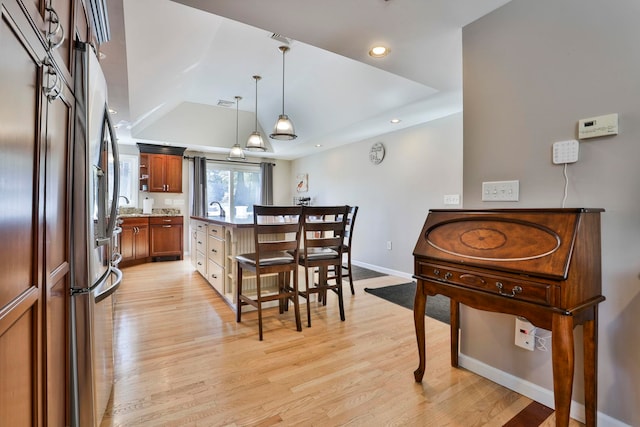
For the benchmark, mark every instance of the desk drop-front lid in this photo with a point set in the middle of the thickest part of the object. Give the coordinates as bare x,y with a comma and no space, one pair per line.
535,242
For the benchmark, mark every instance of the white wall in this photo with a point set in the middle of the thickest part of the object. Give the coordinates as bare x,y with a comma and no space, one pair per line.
422,164
532,69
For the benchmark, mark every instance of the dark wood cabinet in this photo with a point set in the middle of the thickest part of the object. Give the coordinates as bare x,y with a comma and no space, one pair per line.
134,241
165,173
166,238
160,168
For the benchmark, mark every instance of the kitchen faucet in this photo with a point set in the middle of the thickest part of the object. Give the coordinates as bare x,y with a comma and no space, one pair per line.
125,199
222,213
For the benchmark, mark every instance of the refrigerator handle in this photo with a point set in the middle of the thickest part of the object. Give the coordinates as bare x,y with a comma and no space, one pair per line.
116,172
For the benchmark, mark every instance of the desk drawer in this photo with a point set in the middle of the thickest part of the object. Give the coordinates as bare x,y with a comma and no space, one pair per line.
511,287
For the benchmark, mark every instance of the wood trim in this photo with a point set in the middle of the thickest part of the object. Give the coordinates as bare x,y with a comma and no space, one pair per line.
11,312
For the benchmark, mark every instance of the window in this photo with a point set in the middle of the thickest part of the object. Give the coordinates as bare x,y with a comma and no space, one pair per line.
128,180
236,187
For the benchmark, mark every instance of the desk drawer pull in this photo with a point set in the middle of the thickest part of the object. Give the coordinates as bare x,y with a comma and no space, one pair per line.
447,276
516,290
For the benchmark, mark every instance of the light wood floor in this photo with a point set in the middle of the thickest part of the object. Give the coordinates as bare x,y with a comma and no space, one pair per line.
182,360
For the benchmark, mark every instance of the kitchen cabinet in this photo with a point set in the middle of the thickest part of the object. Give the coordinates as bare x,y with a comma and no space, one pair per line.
214,247
216,257
199,246
160,168
165,173
134,241
38,109
166,236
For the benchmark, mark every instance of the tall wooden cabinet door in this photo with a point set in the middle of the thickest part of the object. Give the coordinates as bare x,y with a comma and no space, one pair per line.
173,174
21,216
57,257
156,172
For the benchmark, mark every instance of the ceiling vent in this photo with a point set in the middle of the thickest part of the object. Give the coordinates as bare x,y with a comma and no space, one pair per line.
281,38
224,103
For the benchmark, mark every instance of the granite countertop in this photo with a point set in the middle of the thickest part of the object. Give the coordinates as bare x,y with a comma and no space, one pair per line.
125,212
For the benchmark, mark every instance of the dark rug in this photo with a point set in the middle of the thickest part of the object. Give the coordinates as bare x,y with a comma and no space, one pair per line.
360,273
437,306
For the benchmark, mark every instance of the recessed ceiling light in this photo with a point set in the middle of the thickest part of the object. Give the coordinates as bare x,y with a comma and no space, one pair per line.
378,52
318,145
395,121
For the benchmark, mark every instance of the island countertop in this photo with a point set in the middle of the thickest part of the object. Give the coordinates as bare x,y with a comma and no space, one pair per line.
227,221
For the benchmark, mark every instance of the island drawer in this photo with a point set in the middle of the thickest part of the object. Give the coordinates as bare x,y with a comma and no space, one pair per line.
216,250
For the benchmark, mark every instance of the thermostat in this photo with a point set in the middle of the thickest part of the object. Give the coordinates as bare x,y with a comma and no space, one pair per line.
598,126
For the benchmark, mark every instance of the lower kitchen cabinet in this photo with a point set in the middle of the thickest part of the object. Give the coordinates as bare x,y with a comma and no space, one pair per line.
144,239
216,257
166,236
199,246
134,240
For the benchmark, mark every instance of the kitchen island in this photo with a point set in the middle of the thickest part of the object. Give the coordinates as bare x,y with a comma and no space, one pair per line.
215,242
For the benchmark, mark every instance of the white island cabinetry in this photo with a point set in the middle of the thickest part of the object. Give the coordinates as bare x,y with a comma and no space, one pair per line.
214,246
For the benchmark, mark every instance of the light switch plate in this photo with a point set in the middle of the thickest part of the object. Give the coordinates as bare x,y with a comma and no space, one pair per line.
500,191
565,151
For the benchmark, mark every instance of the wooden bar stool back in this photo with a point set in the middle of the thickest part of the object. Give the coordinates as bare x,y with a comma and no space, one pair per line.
277,244
323,230
346,248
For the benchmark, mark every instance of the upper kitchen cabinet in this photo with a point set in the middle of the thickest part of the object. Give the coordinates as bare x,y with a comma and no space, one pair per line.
160,168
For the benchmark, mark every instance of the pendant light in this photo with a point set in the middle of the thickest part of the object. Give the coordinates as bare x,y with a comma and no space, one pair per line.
255,142
284,127
236,152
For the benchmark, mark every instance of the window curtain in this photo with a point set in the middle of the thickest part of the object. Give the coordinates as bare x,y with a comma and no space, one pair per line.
199,186
266,170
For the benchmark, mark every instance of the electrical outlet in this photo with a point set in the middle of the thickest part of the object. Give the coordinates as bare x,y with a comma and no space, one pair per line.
525,334
389,245
500,191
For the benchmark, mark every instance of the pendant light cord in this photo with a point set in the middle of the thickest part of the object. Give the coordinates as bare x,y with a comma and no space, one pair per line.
283,52
256,111
237,121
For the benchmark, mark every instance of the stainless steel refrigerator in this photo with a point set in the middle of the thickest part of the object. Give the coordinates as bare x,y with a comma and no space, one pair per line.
95,274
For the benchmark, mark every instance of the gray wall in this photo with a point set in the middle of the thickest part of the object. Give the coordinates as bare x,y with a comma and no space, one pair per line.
532,69
421,165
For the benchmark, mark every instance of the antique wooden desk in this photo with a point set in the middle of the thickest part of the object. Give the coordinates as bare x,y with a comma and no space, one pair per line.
542,264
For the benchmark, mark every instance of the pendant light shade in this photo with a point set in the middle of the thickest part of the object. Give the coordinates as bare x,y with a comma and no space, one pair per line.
255,142
236,152
284,126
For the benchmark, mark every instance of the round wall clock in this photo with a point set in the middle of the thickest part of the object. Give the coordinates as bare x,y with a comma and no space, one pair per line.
376,154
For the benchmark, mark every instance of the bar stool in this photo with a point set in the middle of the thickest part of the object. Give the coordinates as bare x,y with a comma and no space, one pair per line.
346,248
323,231
277,244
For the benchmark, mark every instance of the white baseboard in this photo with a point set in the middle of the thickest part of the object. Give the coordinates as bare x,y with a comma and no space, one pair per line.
383,270
532,391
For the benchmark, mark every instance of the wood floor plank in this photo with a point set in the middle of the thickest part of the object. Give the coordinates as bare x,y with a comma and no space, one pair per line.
182,360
